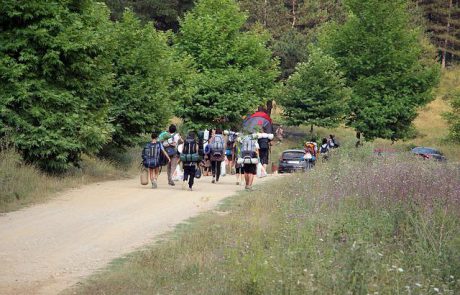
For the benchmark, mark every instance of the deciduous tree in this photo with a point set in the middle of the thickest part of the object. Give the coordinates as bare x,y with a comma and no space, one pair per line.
235,69
390,72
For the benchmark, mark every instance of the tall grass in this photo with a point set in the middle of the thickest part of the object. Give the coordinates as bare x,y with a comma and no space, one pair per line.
358,224
22,184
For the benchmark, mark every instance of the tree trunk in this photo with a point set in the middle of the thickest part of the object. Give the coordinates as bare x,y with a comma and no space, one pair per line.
269,107
294,20
446,42
311,129
265,13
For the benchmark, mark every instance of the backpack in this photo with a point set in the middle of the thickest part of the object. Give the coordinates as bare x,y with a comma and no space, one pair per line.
231,140
170,149
151,155
324,149
263,143
217,147
190,152
248,148
248,154
310,146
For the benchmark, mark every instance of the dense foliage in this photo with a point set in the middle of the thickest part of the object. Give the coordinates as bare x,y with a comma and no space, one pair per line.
163,13
315,94
55,76
143,70
236,71
385,64
453,117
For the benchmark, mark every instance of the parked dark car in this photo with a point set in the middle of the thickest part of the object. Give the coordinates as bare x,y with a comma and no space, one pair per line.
291,161
428,153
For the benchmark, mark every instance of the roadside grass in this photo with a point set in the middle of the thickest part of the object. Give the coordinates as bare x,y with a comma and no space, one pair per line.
22,184
358,224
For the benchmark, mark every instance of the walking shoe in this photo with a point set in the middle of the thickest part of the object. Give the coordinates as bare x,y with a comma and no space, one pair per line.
172,184
213,180
237,183
154,184
190,189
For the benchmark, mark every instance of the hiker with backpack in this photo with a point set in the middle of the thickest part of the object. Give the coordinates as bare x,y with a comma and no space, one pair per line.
249,159
217,154
230,151
310,154
171,149
264,150
333,142
324,149
190,158
153,157
239,172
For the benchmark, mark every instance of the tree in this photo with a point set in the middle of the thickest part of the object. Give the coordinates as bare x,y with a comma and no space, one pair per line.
453,117
55,75
293,24
443,24
389,70
143,73
164,14
235,69
315,94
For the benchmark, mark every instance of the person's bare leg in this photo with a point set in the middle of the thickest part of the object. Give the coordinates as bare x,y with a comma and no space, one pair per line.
246,179
250,179
154,177
264,169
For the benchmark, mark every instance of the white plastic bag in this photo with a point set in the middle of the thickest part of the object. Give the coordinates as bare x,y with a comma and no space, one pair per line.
223,168
261,170
178,175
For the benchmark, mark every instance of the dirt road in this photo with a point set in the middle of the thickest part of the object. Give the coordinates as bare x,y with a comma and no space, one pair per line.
49,247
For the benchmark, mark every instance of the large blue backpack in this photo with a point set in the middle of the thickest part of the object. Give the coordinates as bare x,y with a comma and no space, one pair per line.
152,155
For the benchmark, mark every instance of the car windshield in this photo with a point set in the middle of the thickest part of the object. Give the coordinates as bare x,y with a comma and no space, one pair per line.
292,155
425,151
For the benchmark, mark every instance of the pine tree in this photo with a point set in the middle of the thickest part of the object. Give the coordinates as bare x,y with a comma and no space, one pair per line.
443,24
143,73
164,14
55,78
315,94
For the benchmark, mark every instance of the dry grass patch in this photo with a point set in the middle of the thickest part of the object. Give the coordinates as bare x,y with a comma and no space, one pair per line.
23,184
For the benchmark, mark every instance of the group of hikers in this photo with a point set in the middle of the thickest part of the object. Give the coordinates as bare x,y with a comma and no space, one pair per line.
207,152
203,150
312,151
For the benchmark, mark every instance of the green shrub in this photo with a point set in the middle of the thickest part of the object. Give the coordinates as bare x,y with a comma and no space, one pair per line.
55,78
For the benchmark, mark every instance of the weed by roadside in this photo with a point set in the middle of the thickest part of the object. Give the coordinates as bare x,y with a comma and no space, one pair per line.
22,184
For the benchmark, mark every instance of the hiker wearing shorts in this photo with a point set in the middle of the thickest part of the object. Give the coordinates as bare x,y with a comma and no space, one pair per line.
249,159
171,149
151,156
